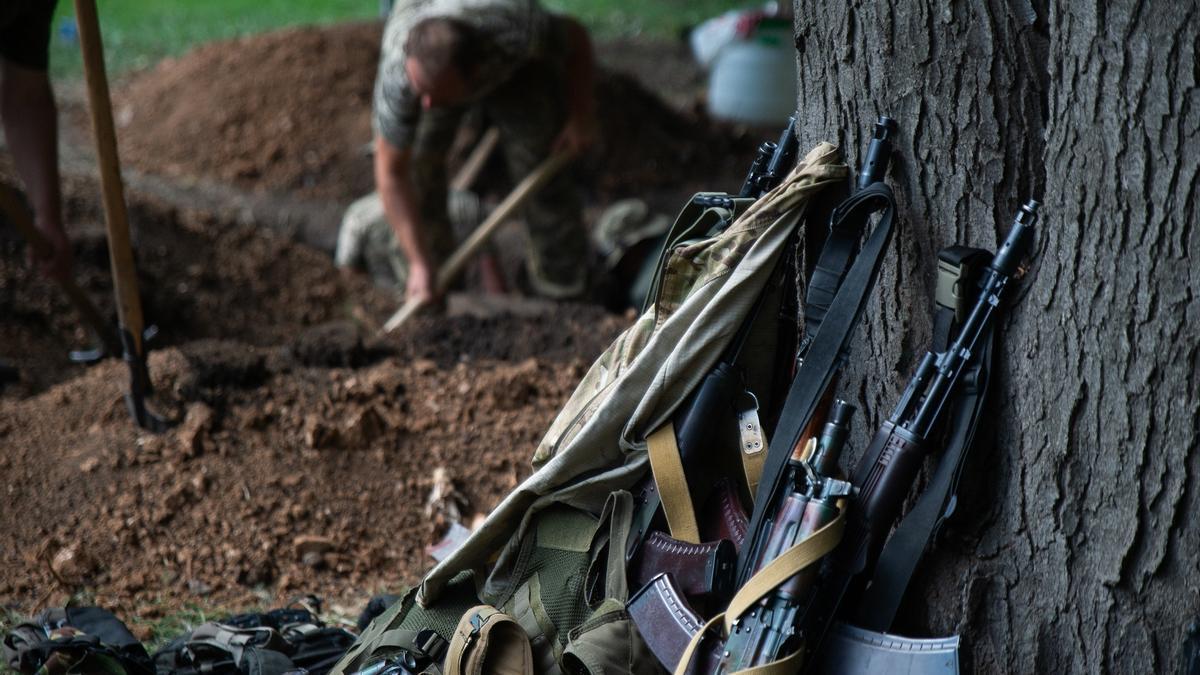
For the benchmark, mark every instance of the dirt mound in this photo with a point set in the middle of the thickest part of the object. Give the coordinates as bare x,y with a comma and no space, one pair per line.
289,111
199,277
218,506
283,111
303,450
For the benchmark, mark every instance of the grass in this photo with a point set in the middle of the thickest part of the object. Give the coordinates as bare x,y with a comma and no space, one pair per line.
137,33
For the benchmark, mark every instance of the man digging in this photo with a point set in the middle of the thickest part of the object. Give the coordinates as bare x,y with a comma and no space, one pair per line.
530,72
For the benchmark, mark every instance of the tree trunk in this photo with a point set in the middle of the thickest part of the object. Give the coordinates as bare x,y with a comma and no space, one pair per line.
1075,548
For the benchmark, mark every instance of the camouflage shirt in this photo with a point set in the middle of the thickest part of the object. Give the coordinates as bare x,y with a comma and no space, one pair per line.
515,32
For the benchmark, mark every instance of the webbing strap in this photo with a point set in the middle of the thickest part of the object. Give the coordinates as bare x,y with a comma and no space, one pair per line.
829,271
789,563
399,638
667,468
689,653
824,355
784,567
619,511
752,466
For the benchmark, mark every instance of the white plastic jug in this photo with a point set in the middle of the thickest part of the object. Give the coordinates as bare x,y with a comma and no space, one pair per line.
754,80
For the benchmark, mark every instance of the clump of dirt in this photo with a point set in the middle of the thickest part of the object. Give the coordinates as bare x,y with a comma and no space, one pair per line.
215,508
289,111
303,448
281,111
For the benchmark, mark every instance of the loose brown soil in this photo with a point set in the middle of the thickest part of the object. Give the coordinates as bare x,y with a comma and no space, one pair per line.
304,448
289,111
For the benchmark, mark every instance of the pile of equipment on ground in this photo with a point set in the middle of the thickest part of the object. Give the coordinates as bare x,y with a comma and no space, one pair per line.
689,510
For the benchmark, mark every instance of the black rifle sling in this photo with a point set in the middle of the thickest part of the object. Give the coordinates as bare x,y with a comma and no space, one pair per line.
825,353
832,265
893,571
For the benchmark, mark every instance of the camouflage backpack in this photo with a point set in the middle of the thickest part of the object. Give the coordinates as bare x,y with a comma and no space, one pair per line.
550,559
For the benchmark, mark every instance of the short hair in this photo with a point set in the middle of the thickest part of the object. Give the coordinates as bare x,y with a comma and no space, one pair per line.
442,43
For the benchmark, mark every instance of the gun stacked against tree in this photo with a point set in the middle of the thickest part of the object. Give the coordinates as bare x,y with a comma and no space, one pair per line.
764,633
875,164
886,471
660,609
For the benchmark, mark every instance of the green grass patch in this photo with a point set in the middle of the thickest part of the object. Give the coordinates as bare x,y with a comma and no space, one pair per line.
138,33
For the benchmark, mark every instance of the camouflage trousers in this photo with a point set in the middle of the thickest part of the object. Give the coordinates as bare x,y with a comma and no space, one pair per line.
528,110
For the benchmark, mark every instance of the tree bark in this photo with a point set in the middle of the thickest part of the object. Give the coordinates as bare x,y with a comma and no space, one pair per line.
1075,548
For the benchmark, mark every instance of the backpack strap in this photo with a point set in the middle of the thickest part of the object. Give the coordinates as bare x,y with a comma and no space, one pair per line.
667,467
958,268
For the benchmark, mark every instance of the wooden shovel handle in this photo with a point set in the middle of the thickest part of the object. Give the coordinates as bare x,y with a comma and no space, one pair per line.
120,248
454,265
479,156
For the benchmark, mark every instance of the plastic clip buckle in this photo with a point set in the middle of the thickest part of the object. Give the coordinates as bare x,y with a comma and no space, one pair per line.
958,267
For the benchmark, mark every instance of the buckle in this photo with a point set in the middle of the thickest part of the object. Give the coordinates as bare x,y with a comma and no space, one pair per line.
431,644
958,268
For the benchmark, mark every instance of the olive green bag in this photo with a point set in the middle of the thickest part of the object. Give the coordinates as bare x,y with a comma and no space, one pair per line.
570,605
550,556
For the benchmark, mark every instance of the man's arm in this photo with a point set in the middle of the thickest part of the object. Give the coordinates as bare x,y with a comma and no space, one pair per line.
393,180
580,128
31,127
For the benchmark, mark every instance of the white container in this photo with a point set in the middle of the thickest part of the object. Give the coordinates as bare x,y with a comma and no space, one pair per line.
754,81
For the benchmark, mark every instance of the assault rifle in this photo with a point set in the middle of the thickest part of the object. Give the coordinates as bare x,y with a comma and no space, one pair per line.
762,635
771,164
886,471
663,608
791,616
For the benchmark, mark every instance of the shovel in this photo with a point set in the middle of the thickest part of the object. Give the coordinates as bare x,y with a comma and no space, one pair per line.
107,342
120,250
450,270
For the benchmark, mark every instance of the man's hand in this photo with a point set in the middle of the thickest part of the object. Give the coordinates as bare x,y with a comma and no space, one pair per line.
422,284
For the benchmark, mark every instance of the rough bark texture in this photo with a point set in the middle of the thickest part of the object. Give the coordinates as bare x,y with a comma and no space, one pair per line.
1076,546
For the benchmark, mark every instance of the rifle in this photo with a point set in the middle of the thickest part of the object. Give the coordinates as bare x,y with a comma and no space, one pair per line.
661,609
827,277
771,164
764,633
887,469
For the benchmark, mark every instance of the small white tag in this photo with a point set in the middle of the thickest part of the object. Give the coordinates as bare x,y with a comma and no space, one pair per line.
749,427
